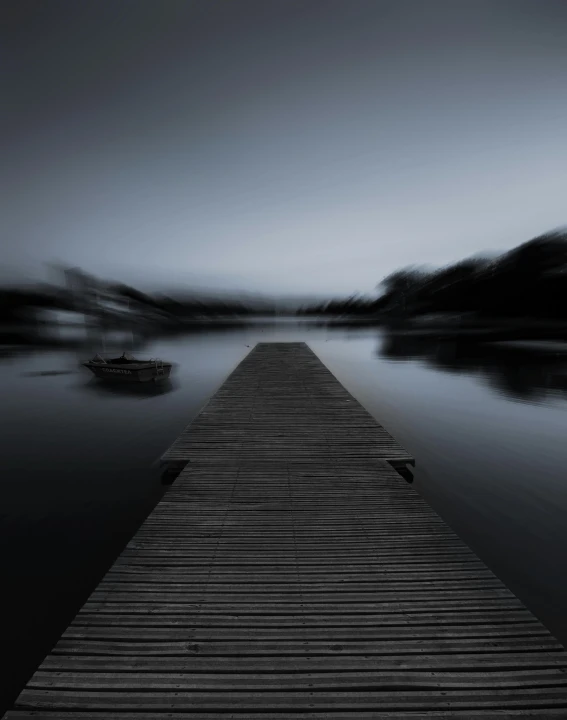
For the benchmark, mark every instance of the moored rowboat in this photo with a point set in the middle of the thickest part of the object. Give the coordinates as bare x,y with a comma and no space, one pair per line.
129,369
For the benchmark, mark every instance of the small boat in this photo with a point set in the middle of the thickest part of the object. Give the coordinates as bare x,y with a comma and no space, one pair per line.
129,369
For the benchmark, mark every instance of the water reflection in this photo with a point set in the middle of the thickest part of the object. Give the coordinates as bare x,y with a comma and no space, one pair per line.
519,372
104,388
47,373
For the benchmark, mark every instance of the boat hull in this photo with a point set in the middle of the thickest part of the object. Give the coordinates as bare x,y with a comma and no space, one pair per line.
130,375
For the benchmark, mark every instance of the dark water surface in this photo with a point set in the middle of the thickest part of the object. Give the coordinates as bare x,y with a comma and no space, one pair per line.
486,424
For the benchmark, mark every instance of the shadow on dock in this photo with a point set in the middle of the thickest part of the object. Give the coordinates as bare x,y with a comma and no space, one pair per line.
404,471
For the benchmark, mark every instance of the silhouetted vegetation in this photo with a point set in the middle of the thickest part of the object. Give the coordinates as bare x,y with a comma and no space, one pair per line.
107,305
181,307
525,285
20,306
529,281
20,311
354,305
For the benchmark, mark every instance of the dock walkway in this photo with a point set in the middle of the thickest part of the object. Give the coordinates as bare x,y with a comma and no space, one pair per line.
275,581
282,403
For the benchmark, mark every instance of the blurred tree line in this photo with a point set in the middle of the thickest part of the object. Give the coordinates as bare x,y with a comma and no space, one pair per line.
19,306
181,307
23,307
528,281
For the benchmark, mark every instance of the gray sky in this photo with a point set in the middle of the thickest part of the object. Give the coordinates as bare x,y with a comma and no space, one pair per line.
283,146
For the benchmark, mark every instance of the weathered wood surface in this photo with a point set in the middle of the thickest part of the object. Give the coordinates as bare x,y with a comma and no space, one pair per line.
289,589
282,402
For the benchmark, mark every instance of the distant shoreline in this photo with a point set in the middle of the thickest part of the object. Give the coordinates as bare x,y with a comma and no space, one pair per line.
443,329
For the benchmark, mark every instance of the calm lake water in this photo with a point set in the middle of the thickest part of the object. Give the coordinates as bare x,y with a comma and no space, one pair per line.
486,424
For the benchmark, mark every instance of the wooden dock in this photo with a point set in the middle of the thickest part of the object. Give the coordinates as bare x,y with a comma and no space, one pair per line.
283,580
282,403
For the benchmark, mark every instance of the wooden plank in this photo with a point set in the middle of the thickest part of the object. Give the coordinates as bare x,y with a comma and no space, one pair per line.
270,606
315,600
330,681
328,632
137,574
200,619
255,701
290,571
217,583
496,661
146,559
145,646
308,610
469,714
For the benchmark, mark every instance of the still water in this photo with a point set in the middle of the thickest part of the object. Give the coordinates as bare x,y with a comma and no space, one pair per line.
487,425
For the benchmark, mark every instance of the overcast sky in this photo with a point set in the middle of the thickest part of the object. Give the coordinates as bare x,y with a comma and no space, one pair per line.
309,146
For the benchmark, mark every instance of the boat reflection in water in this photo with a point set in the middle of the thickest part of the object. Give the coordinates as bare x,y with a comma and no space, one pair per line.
128,389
